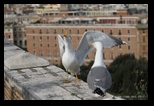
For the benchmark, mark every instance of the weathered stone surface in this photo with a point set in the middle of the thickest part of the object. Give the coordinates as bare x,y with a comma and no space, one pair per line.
25,60
48,83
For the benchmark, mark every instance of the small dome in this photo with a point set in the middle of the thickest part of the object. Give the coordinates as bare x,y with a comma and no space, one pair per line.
25,60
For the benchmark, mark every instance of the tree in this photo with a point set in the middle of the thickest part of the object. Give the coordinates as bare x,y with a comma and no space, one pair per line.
129,76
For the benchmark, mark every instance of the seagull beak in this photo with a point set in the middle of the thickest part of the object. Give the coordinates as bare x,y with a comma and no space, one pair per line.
66,34
91,44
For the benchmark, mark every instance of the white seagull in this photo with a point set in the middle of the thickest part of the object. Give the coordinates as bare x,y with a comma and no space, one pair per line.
99,78
72,60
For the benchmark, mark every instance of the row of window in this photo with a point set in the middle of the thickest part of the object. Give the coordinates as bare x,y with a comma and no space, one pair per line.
55,38
41,53
78,32
55,52
55,45
20,43
18,29
19,35
78,38
48,45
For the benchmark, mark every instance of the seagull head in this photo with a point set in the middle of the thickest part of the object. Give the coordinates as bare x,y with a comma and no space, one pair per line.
96,44
67,39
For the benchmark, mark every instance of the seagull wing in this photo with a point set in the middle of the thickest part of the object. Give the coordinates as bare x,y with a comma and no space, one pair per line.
84,47
61,45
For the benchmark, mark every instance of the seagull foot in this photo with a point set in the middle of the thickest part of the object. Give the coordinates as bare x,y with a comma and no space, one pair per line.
67,81
77,80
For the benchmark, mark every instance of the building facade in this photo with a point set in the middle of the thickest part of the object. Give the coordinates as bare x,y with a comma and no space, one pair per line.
142,40
42,40
8,33
20,38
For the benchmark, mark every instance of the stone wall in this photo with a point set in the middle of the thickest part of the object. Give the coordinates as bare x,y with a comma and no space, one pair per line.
28,77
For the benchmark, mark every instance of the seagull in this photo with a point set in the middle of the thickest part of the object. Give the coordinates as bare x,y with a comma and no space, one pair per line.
99,78
72,60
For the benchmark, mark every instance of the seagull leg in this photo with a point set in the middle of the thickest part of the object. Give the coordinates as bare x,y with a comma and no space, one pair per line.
76,78
67,79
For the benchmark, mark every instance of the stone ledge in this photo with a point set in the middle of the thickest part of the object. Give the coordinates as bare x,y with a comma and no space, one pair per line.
47,83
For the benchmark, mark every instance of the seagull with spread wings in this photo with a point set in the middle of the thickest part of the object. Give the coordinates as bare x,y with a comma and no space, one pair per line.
72,60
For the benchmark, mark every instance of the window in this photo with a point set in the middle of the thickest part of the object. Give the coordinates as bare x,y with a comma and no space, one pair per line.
20,35
78,31
40,31
143,38
25,42
143,47
33,30
15,42
47,37
119,32
128,47
128,31
55,37
78,38
40,38
70,31
56,61
55,31
104,56
9,36
33,44
15,35
143,31
48,31
85,30
20,42
128,38
34,52
62,31
41,53
111,32
119,46
102,30
48,45
49,54
40,45
55,45
33,37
